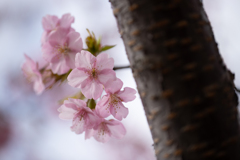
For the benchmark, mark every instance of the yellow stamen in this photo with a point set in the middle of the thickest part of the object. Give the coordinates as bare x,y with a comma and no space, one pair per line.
63,49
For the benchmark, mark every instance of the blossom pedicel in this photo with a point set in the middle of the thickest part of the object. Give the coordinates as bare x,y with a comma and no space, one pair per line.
91,72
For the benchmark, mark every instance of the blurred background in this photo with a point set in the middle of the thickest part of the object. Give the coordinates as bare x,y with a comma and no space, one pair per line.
29,125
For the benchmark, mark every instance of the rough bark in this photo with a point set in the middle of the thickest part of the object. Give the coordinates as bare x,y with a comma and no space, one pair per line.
186,90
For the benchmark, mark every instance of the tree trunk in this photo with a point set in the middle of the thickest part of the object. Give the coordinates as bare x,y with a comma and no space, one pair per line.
186,90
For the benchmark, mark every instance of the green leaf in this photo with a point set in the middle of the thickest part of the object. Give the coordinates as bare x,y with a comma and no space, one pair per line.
104,48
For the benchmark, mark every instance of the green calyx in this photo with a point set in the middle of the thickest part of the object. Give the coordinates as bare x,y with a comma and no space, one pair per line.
94,45
91,103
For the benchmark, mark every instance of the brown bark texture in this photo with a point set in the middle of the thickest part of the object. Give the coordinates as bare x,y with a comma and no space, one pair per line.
186,90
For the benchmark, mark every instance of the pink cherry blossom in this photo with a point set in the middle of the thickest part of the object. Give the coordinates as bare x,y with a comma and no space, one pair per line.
51,23
30,70
89,133
83,117
91,73
112,102
106,129
60,50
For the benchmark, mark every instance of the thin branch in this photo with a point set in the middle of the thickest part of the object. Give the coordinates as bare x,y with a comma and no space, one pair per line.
123,67
236,89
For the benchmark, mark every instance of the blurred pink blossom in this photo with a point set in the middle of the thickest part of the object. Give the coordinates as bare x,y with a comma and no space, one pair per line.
50,24
30,70
60,50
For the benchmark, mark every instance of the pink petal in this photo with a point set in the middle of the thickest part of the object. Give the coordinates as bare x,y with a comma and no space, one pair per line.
26,68
57,58
30,70
78,125
103,112
106,75
66,21
49,22
86,88
95,111
76,77
69,104
119,112
127,95
80,104
59,66
102,134
104,62
38,87
92,90
100,137
117,129
58,38
31,74
84,60
70,60
48,51
75,42
96,90
113,86
44,37
66,112
86,82
89,133
30,63
91,120
103,107
96,127
72,30
104,101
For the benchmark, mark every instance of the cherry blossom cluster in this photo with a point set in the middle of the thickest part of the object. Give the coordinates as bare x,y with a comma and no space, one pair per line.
87,69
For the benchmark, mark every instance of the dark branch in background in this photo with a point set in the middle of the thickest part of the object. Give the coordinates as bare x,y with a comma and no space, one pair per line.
123,67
